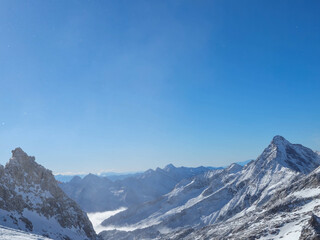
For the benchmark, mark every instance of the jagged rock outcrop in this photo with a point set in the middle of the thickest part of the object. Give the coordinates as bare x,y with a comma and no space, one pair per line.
312,230
31,200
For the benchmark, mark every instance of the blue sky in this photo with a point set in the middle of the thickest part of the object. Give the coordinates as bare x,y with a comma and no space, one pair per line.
88,86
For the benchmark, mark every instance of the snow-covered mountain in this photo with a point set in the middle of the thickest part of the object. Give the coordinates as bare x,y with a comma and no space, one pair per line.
183,197
96,194
221,204
290,214
31,200
276,196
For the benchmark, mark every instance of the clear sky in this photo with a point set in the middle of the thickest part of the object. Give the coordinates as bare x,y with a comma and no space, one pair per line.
88,86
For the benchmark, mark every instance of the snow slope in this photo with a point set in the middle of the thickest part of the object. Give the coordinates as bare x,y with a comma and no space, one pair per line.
290,214
228,199
14,234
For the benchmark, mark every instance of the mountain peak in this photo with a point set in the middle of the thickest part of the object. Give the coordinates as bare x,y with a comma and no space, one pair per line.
34,202
293,156
19,157
169,167
76,179
277,140
91,177
18,153
234,167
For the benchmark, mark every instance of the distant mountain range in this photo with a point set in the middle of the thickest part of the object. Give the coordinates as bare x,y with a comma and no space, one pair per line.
110,175
113,176
67,177
95,194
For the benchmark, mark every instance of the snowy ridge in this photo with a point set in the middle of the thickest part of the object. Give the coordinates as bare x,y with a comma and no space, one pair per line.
225,201
286,215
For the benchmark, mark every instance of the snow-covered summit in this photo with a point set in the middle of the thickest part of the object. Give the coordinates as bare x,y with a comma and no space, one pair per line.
279,140
215,197
282,153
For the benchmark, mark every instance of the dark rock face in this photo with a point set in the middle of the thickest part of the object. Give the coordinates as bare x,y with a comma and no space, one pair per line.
312,230
31,200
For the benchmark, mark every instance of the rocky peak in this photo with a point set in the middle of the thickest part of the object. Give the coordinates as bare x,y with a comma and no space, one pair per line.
279,140
234,167
282,153
76,179
312,229
30,199
24,170
278,147
20,157
91,177
18,152
279,163
169,167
